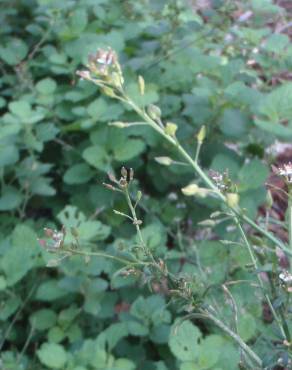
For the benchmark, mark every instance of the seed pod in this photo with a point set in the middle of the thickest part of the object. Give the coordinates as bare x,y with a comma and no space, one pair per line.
131,174
118,124
166,161
190,190
141,83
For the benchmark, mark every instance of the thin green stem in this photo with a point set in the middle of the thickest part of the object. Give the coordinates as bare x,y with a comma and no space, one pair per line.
290,222
136,223
198,151
146,250
282,325
105,255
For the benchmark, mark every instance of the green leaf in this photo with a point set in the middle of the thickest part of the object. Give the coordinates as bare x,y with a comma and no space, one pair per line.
47,86
154,236
97,157
43,319
79,173
229,356
41,186
184,340
56,334
20,108
253,175
114,333
90,230
247,326
137,329
160,334
52,355
223,162
281,131
234,123
19,258
276,43
49,291
103,111
23,237
15,51
71,217
3,283
277,105
9,307
79,21
150,96
128,149
123,364
8,155
214,258
46,131
208,358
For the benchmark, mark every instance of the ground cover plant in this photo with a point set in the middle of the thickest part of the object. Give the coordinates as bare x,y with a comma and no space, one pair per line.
145,185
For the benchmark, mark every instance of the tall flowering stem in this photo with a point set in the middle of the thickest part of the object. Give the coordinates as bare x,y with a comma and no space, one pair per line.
104,70
286,173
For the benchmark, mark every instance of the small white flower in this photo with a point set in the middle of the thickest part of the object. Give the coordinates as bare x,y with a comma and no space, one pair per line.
285,277
286,171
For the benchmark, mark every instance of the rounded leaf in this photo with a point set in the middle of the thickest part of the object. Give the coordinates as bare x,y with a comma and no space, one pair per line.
52,355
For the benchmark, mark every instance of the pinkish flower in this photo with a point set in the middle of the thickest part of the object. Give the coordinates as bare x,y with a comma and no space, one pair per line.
84,75
42,243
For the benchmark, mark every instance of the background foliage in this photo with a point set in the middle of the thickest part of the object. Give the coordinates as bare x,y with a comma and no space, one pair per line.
220,63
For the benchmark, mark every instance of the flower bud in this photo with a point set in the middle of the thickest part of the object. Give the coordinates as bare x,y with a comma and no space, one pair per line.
124,172
139,196
48,232
53,263
108,91
232,199
74,232
170,129
154,112
112,177
201,135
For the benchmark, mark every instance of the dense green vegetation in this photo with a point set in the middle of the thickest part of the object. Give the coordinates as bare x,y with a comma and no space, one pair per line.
191,285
